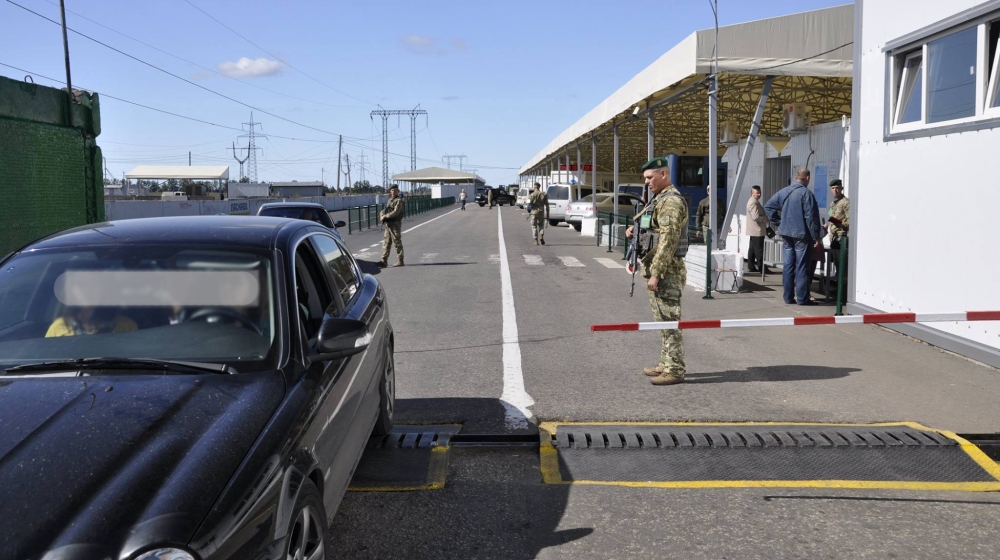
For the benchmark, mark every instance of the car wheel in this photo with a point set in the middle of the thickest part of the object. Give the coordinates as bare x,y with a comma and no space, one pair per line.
553,223
578,226
307,536
387,396
481,204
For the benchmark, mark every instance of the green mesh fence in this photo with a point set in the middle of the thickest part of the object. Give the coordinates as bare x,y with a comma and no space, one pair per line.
48,170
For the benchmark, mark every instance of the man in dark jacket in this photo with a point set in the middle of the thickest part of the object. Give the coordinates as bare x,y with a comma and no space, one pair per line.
793,210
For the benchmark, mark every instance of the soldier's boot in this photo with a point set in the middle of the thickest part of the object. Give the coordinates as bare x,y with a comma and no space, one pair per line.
536,242
541,240
398,263
667,379
653,371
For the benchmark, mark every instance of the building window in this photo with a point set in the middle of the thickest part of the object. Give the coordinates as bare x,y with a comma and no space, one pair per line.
911,90
951,76
993,53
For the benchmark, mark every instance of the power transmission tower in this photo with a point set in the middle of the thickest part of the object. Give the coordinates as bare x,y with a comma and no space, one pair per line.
361,166
447,159
385,114
252,149
242,161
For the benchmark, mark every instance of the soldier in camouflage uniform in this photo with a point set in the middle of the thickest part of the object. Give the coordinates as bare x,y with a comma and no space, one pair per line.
841,210
664,269
539,204
392,217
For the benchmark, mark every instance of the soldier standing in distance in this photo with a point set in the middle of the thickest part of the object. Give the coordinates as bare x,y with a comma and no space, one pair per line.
539,204
841,210
392,217
664,269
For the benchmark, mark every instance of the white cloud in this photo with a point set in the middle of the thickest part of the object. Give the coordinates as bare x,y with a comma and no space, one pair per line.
247,68
459,44
420,45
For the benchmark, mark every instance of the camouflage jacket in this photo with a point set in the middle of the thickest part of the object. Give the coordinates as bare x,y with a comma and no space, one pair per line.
393,210
669,220
841,210
539,203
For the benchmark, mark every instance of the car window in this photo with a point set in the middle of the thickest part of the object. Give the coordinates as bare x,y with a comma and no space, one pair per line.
312,297
317,215
341,267
557,193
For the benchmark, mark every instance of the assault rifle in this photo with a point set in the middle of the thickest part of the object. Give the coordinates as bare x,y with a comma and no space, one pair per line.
636,249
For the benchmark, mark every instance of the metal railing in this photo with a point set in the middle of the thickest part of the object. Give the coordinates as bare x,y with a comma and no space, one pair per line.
366,217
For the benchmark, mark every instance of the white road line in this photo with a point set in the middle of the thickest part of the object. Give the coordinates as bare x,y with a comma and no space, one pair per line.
429,256
495,258
429,221
379,245
609,263
515,399
571,261
533,260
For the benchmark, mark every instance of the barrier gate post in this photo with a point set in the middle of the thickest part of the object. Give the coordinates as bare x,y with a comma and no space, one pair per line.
840,276
708,264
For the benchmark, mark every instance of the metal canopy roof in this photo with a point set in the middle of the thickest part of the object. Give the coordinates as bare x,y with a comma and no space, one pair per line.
213,172
437,175
810,54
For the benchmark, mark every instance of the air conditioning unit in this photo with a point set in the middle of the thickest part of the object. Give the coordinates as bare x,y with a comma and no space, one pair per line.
728,135
795,118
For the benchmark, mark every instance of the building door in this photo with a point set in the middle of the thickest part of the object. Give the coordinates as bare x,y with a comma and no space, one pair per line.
777,175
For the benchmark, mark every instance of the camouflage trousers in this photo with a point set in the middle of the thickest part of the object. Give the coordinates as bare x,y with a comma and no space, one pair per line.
538,226
393,236
666,305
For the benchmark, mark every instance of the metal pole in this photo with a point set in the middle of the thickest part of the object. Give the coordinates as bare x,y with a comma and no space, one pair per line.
708,266
840,276
69,79
713,136
579,173
340,146
593,172
650,146
615,185
736,188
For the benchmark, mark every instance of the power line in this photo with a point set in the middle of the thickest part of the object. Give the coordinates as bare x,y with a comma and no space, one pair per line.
207,69
167,72
276,57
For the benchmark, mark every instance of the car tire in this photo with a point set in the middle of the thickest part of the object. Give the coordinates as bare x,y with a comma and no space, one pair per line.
387,396
308,534
481,204
578,226
553,223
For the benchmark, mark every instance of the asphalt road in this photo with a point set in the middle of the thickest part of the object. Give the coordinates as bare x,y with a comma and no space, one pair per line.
447,307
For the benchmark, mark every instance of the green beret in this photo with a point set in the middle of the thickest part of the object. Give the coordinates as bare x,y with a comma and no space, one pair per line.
836,182
656,163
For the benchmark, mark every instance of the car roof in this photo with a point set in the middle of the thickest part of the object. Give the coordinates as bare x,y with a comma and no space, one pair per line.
242,231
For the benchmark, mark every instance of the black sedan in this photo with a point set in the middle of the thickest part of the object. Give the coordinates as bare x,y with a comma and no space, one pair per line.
185,388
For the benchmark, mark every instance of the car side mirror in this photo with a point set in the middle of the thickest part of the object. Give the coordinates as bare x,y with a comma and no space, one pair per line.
340,337
340,224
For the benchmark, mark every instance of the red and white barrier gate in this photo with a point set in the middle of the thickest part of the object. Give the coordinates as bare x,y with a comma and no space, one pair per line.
867,318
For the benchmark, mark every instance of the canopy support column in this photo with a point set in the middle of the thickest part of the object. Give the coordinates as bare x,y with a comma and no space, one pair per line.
615,175
650,147
579,172
736,188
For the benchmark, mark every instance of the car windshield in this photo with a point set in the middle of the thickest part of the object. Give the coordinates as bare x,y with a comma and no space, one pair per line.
138,301
296,212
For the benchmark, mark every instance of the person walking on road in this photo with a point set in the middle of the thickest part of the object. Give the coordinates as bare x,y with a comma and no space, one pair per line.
756,227
489,197
663,267
538,204
392,217
795,213
462,197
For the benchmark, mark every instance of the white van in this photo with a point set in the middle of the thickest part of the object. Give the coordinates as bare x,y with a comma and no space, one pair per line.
560,195
173,195
522,198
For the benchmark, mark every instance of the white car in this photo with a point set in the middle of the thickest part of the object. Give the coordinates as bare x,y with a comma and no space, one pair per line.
628,205
561,195
522,198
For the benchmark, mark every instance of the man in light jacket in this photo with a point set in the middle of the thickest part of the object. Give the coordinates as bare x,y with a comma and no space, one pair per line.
793,210
756,227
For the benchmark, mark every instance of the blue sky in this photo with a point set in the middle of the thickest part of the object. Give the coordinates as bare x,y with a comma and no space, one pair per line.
499,80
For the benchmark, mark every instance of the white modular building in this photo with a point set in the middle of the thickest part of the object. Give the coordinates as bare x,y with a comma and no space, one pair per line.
924,190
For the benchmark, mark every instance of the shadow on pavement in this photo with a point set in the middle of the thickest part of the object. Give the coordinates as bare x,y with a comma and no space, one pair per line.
368,267
772,373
